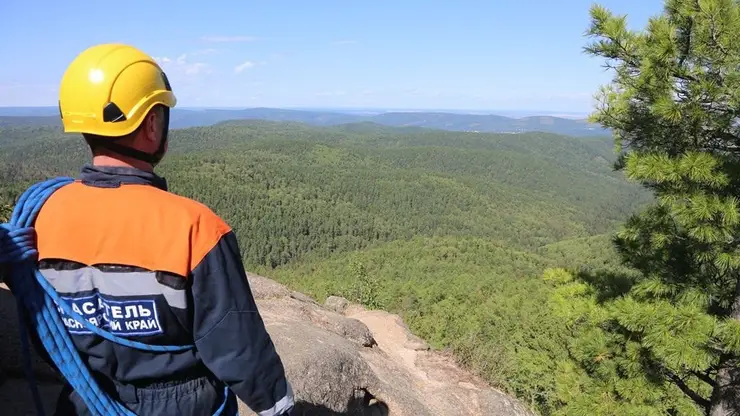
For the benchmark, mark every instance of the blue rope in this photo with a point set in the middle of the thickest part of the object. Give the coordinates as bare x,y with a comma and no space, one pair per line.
36,297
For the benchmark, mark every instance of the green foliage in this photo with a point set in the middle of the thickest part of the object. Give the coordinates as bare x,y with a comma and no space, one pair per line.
296,189
365,286
593,252
292,189
662,337
628,348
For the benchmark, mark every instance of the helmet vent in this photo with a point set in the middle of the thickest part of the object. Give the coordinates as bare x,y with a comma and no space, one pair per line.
113,114
167,85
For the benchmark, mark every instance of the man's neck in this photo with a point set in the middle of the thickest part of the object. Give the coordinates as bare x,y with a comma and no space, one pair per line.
124,162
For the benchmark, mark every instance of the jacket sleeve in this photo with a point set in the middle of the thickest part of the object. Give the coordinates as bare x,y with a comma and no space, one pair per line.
231,336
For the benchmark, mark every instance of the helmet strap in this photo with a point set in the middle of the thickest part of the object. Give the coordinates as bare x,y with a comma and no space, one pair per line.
151,158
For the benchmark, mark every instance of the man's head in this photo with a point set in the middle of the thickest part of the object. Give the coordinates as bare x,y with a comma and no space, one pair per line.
150,138
119,99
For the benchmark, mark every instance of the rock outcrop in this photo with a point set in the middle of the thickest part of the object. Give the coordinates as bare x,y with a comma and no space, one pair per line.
340,358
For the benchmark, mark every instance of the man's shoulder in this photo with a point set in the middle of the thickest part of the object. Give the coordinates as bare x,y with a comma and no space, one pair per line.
188,205
130,224
200,214
207,228
204,228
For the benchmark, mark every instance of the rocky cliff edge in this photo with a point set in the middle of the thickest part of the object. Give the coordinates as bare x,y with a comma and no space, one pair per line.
340,358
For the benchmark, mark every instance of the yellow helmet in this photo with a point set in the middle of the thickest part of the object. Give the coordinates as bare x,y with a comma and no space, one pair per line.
108,90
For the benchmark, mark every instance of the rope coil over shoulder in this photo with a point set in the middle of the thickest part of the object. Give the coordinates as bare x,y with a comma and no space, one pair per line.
38,299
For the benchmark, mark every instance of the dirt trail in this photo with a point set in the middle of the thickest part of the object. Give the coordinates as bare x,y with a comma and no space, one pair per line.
446,388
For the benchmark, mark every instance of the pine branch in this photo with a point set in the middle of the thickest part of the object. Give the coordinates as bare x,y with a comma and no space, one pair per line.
685,77
717,44
687,49
685,53
703,377
713,33
696,397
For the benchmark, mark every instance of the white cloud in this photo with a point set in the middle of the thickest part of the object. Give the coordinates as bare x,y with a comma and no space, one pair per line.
344,42
196,68
183,64
222,39
244,66
162,60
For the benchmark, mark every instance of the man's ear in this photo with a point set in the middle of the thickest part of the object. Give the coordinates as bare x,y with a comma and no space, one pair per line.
150,127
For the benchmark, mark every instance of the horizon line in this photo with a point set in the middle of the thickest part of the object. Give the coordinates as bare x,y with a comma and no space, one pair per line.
471,111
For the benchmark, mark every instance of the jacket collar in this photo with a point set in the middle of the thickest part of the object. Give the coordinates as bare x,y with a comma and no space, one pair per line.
114,177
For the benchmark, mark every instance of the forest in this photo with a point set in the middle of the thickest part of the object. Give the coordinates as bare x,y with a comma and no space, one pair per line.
585,275
293,189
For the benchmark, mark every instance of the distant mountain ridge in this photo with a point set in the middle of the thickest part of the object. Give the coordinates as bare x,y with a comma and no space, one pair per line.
183,118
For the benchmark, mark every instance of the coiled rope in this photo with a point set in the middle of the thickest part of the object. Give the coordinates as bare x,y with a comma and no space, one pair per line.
38,299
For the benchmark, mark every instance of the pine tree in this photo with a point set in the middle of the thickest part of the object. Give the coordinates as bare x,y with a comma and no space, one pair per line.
673,107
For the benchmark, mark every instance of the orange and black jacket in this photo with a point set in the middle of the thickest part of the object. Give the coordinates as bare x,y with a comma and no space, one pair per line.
151,266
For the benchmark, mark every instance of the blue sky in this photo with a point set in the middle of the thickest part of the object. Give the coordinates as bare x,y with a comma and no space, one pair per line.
464,54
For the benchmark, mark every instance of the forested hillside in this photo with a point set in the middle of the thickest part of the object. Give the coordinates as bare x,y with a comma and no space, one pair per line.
297,189
451,230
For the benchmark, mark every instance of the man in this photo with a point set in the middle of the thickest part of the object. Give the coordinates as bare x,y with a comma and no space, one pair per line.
148,265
